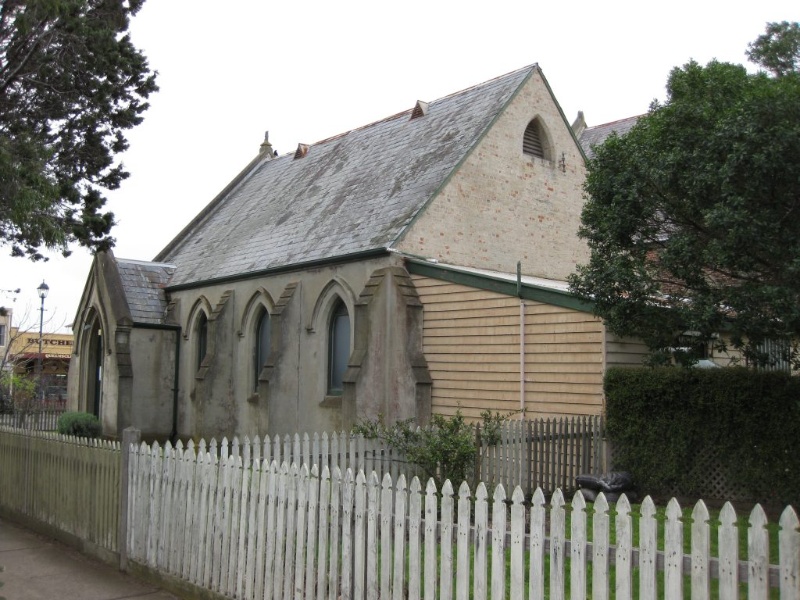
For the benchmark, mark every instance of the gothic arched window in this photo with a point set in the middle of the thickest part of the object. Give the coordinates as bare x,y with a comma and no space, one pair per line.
338,347
202,339
261,346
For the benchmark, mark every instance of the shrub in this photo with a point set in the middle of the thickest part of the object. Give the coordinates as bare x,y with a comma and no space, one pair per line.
668,426
444,450
79,424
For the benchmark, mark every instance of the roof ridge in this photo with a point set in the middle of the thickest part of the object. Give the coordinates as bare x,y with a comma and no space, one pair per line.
616,122
408,111
488,81
144,262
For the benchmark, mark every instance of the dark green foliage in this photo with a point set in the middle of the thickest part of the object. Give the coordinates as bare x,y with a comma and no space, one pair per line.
71,84
778,50
664,423
79,424
692,216
444,450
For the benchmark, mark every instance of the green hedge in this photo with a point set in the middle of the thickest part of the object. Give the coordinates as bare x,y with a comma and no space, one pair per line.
662,423
80,424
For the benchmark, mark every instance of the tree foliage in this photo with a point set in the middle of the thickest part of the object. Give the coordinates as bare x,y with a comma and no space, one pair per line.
778,50
693,217
17,393
71,84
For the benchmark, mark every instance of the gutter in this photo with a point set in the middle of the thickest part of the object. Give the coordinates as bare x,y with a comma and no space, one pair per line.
505,286
173,435
320,262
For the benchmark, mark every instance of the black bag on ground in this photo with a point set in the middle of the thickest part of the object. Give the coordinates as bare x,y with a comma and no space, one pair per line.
589,482
617,481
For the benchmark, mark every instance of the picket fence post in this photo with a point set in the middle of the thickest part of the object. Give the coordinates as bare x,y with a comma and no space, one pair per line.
131,435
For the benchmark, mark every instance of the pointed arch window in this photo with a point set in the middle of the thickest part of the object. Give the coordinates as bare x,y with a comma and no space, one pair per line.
534,140
261,346
96,361
202,339
338,347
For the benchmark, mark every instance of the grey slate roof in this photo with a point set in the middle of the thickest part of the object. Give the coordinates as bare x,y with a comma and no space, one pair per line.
594,136
352,193
143,284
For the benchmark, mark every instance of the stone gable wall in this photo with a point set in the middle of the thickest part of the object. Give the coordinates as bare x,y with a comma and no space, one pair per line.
503,206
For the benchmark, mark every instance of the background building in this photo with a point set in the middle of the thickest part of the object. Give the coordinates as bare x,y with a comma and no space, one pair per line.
23,358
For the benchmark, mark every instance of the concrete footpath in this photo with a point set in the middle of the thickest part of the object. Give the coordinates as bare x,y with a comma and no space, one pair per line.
36,568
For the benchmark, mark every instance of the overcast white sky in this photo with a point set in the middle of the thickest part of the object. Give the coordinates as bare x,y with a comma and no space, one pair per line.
309,70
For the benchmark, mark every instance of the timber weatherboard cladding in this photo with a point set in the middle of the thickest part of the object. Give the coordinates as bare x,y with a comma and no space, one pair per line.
471,340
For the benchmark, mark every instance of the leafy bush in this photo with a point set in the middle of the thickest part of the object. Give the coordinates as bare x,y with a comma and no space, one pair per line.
79,424
444,450
17,393
667,426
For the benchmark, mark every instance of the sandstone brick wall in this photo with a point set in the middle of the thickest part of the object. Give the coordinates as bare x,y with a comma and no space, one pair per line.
503,206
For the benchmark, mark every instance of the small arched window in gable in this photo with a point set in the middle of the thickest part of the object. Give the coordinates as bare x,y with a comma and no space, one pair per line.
202,339
535,141
338,347
262,342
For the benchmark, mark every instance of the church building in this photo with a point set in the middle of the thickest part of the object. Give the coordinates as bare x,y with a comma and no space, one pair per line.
412,266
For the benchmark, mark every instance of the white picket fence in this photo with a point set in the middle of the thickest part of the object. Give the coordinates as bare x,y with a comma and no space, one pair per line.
546,453
271,531
332,450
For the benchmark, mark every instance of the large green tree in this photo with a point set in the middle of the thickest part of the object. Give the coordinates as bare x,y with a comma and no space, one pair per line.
693,216
71,84
778,49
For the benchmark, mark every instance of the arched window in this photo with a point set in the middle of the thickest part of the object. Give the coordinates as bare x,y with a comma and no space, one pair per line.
535,142
94,388
202,339
261,346
338,347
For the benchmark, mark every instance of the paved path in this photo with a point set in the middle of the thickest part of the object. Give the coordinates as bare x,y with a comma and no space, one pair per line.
36,568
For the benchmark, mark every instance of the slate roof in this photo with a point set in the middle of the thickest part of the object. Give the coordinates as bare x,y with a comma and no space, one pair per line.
594,136
352,193
143,284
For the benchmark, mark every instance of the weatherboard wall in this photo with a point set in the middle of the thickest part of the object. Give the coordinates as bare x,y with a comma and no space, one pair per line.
471,341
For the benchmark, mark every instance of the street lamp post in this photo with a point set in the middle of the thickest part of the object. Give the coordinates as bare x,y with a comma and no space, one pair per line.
42,290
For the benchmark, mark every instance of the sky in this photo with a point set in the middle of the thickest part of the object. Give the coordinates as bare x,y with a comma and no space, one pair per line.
305,71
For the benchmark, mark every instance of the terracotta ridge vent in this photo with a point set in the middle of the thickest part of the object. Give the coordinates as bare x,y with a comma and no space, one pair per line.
302,150
420,110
